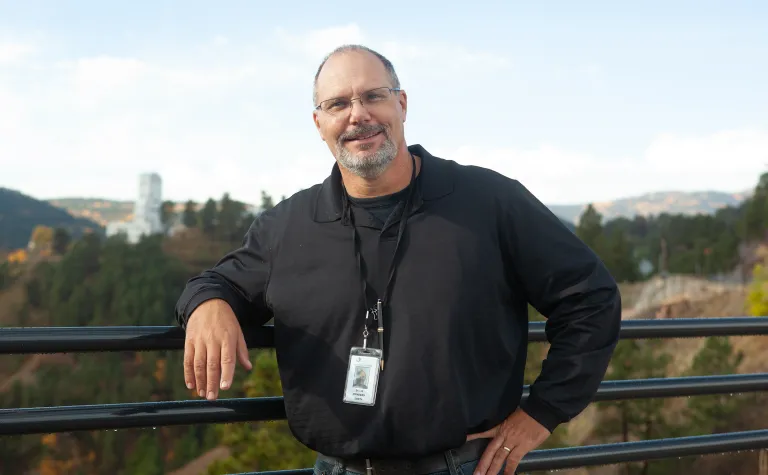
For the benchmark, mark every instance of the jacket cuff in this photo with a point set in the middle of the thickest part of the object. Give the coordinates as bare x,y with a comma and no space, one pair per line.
197,299
542,413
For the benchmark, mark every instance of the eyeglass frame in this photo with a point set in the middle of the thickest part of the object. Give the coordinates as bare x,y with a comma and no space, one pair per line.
359,98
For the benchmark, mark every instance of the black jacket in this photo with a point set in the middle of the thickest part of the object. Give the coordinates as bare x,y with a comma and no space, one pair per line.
477,249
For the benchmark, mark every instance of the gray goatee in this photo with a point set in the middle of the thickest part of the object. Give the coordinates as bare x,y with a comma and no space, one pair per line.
368,165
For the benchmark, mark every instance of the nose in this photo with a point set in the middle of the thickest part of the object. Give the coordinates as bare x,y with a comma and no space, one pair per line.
358,113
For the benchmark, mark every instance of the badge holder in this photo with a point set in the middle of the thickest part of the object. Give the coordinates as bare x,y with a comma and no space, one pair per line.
362,373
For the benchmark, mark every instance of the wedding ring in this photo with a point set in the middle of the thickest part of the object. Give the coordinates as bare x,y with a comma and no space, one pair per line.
507,448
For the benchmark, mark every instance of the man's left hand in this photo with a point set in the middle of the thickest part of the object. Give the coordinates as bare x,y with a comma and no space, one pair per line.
512,439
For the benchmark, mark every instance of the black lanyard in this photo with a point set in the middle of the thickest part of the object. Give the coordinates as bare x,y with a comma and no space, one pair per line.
381,302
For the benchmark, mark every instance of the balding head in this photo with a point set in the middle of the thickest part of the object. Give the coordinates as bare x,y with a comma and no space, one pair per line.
390,69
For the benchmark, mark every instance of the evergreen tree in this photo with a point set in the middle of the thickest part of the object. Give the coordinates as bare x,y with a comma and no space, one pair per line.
146,458
189,218
756,213
708,414
6,279
617,254
635,419
266,201
208,217
229,219
711,414
61,240
590,228
167,214
262,446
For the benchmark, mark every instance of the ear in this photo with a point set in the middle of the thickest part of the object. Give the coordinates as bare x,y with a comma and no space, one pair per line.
402,98
316,120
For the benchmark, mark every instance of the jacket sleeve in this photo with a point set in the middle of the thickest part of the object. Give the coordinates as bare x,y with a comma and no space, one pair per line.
566,282
240,278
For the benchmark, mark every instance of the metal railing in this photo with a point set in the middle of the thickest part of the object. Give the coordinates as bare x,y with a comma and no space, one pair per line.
40,420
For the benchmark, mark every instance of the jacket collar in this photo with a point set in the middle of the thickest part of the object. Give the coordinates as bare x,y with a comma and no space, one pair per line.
435,181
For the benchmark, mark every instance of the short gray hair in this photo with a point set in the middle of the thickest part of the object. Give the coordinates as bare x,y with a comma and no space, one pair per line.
345,48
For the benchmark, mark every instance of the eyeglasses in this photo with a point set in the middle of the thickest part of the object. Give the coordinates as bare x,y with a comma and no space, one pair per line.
340,106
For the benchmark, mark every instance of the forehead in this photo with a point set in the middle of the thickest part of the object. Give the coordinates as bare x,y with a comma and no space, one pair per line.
351,72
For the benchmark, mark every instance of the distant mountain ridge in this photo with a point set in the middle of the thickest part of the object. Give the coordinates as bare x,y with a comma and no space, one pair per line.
99,210
20,214
670,202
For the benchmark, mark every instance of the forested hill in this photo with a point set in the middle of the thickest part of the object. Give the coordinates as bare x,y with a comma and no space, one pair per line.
20,214
649,204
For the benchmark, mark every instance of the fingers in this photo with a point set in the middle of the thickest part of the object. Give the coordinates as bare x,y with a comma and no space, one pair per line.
496,455
499,457
213,370
513,460
199,363
489,434
242,353
189,372
227,362
488,455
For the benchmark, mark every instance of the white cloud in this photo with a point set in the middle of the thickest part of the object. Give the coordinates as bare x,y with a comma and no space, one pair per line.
724,153
97,77
730,160
220,40
315,44
11,51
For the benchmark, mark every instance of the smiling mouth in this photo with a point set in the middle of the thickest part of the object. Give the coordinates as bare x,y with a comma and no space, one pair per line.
364,137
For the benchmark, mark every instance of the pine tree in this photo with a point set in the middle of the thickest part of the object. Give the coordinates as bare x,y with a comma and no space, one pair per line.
618,257
208,217
61,240
229,219
590,228
756,215
167,214
635,419
262,446
189,218
146,458
266,201
710,414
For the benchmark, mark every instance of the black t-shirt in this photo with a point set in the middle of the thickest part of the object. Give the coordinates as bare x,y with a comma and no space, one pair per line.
381,207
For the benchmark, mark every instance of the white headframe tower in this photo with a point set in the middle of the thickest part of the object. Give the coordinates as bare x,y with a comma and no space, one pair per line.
147,208
146,211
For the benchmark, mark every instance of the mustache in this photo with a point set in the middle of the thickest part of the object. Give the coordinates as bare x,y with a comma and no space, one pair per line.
362,131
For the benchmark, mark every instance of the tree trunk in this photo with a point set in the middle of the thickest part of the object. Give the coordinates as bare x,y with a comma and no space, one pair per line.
648,433
625,434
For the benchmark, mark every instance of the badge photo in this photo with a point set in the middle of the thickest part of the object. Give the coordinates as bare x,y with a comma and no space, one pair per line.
362,376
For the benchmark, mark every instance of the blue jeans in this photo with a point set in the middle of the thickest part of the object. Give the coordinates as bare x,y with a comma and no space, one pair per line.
323,467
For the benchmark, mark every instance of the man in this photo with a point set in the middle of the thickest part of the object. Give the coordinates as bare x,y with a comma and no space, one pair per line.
417,271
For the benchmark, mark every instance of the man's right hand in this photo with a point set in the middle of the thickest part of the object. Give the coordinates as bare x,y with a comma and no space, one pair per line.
213,338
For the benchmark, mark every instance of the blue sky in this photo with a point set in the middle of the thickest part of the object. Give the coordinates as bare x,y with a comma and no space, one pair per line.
581,101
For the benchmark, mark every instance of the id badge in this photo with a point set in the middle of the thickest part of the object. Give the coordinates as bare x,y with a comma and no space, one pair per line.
362,376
